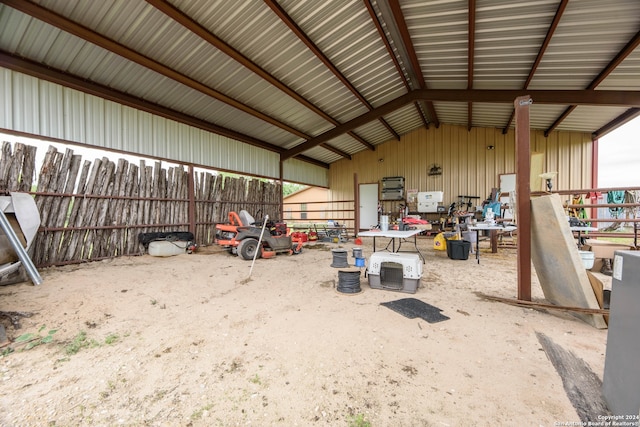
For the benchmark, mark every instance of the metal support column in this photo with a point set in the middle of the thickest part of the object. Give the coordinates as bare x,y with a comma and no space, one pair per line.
356,205
523,195
192,200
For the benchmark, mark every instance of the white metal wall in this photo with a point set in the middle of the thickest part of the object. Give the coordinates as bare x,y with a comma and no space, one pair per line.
41,108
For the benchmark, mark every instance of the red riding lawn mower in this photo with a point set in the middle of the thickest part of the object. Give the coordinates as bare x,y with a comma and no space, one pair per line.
241,236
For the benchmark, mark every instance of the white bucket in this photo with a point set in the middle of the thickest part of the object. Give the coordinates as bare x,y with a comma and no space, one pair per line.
588,258
384,222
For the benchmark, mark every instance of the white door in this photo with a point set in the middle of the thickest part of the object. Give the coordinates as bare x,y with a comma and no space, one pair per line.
368,205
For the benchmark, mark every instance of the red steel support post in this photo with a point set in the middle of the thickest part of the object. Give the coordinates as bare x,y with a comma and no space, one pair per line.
523,192
192,201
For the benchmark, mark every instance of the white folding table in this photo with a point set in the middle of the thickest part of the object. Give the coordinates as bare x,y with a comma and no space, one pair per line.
401,235
580,230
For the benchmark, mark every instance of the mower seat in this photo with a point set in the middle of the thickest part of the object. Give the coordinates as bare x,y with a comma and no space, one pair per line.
245,218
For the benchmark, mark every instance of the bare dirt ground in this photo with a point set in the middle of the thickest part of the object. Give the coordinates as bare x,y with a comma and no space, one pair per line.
190,340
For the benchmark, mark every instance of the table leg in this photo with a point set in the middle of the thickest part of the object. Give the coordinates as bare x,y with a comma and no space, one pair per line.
478,246
415,245
392,242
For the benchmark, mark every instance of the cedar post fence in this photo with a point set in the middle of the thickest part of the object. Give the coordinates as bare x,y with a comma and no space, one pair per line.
93,211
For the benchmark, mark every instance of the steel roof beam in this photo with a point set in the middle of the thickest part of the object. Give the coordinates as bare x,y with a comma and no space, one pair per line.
545,44
471,57
282,14
193,26
614,98
626,51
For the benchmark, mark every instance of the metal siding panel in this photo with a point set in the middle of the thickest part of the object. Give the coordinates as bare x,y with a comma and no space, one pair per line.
374,133
144,138
439,34
404,120
468,167
74,115
95,120
6,99
625,76
508,38
51,108
452,112
13,26
584,116
345,143
589,35
26,115
487,115
298,171
322,154
174,144
113,133
542,116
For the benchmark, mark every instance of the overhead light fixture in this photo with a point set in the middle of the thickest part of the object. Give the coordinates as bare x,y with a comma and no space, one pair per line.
490,147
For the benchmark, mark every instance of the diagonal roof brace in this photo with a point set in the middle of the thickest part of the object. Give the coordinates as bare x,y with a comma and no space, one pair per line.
616,98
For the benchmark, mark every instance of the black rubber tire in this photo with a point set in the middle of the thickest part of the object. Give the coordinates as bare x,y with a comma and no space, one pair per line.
295,250
247,249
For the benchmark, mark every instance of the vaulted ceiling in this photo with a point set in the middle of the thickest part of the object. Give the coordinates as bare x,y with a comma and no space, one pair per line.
321,80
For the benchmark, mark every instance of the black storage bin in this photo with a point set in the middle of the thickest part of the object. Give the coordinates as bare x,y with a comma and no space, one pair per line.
458,249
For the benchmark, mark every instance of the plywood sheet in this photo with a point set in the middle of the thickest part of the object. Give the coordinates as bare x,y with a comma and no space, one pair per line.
556,259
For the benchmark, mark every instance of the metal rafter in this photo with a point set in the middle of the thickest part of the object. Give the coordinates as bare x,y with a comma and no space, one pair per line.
471,57
545,44
577,97
626,51
623,118
193,26
91,36
62,78
387,45
282,14
407,45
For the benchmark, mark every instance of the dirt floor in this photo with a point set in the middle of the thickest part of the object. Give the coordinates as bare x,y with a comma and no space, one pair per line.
192,340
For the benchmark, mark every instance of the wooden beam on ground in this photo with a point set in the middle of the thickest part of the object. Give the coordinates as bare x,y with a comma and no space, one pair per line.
542,306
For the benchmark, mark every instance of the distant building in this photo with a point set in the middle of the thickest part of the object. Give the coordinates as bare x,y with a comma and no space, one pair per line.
307,204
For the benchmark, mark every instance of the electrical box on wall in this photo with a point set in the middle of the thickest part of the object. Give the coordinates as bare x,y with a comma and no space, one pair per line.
392,188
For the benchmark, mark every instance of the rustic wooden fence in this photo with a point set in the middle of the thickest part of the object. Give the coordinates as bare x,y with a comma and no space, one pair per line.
92,211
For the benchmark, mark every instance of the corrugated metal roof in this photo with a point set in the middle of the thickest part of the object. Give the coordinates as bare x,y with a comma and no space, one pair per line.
182,70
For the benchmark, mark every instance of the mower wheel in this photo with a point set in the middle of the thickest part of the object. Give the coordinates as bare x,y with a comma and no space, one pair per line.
247,249
296,249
